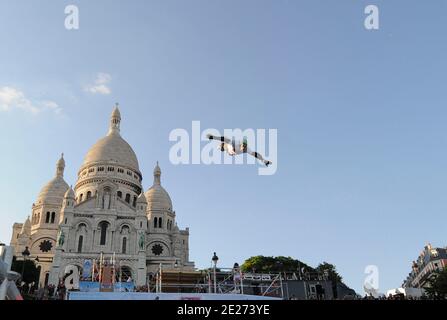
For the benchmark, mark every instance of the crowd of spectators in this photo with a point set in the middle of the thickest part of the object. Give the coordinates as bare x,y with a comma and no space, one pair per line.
48,292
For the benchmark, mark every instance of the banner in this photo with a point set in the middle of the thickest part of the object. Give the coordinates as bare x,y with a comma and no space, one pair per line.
89,286
87,269
107,279
124,287
76,295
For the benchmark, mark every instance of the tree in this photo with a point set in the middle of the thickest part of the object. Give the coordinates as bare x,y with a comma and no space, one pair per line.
31,272
330,271
264,264
438,285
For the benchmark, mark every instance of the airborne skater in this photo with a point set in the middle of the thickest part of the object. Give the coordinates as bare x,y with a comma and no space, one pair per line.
233,147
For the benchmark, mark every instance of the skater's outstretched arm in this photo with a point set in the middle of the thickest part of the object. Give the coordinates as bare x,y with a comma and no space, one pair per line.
221,139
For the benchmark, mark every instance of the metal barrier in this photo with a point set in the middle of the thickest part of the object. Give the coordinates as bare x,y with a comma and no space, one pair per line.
221,281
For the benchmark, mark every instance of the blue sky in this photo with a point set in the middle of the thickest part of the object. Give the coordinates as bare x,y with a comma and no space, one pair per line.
360,116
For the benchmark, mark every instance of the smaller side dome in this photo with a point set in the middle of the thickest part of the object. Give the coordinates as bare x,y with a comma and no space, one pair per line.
53,192
26,227
142,198
70,194
157,197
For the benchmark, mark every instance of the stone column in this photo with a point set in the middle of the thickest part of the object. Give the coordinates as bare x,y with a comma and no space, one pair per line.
55,269
141,271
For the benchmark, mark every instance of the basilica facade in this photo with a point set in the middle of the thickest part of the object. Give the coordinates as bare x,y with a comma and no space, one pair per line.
106,212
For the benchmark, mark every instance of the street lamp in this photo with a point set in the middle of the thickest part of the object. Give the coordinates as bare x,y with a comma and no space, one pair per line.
176,264
25,254
215,258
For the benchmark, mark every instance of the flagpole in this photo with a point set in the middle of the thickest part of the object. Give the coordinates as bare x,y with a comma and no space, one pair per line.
160,278
100,266
93,270
114,267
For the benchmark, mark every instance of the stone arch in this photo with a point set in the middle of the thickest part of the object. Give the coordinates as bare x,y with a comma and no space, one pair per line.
107,194
124,271
41,238
81,235
125,224
35,245
76,232
130,237
82,221
104,219
104,229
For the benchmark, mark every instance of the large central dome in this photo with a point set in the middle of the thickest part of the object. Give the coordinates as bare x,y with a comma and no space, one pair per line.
112,148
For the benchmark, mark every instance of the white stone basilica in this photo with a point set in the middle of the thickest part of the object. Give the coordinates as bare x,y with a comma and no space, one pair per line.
107,212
